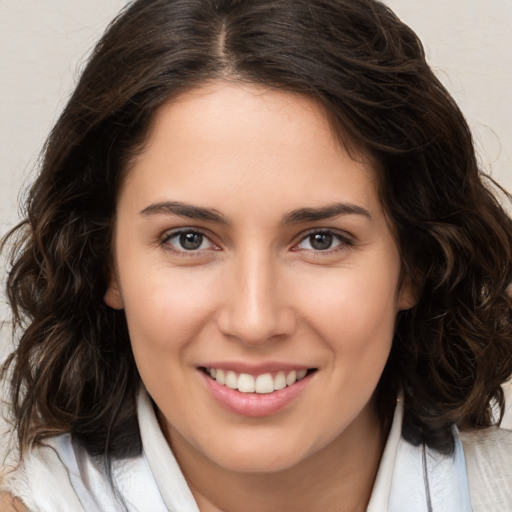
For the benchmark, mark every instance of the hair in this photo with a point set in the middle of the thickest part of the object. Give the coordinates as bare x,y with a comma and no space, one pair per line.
73,368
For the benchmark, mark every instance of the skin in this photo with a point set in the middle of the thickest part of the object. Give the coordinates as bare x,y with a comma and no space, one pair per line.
10,504
258,290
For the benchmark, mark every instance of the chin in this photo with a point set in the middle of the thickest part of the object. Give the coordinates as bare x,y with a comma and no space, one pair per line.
252,463
264,456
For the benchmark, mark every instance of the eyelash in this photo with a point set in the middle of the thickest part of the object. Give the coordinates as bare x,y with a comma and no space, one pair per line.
344,242
166,241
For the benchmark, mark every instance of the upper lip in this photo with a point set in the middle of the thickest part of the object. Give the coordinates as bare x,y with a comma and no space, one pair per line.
255,369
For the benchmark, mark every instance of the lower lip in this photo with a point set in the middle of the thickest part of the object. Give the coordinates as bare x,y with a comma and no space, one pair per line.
255,405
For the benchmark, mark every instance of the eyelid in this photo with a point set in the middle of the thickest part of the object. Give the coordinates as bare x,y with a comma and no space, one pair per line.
345,239
174,232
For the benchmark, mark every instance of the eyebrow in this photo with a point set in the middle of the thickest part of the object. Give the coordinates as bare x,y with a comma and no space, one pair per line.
324,212
184,210
293,217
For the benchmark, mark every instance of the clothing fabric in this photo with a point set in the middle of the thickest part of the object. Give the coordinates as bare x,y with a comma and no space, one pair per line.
63,477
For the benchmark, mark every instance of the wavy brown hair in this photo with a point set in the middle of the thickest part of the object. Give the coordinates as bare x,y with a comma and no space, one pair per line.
73,369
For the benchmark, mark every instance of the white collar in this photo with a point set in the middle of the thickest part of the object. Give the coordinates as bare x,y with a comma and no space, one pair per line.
168,477
419,478
409,477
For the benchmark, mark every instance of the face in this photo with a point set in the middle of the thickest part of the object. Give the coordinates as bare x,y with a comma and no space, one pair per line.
259,277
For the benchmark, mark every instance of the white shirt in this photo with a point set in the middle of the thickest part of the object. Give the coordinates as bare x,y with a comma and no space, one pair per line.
63,477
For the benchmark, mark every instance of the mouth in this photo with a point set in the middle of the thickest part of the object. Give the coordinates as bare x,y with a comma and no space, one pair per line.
263,384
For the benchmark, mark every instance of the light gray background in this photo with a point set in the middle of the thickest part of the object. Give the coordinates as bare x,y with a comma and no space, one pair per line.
44,43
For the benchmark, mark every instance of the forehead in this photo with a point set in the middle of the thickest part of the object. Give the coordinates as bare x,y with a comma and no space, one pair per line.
210,113
226,138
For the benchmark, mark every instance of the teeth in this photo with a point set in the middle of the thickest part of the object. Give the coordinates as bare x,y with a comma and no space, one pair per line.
262,384
291,377
231,380
220,377
246,383
280,381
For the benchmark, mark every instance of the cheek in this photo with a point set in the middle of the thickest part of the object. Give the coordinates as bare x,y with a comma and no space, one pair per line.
165,313
354,314
164,308
351,303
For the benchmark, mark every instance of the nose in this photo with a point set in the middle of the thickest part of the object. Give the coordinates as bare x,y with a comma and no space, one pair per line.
255,307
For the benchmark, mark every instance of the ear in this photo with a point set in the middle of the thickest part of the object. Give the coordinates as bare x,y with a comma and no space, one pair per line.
408,294
113,297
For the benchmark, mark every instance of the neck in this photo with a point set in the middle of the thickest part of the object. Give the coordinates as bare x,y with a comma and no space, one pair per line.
338,478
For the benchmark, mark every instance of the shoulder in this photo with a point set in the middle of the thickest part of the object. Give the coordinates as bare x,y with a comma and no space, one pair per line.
10,504
43,467
491,447
488,455
78,480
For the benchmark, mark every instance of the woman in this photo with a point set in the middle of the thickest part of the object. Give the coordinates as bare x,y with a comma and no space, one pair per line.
260,271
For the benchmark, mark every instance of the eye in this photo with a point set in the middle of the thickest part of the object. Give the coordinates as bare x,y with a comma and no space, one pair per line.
322,241
188,240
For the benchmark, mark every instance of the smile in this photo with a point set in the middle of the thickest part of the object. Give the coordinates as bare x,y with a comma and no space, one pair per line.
263,384
256,392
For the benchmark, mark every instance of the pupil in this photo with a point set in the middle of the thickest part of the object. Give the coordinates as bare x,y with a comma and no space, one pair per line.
191,241
321,241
